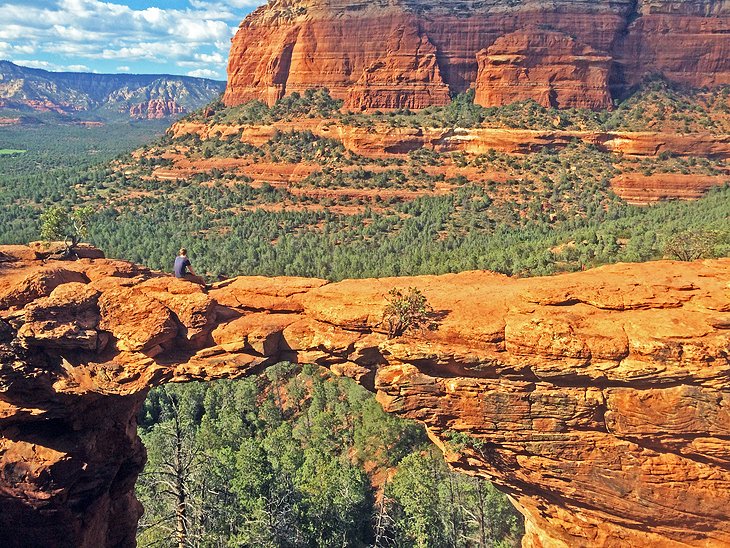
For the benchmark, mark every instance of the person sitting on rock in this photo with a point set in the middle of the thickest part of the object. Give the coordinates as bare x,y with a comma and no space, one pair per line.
184,270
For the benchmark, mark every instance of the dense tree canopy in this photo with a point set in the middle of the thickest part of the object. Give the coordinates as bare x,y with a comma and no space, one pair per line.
303,459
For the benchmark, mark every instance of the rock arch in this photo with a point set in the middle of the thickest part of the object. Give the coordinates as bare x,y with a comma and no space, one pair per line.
599,399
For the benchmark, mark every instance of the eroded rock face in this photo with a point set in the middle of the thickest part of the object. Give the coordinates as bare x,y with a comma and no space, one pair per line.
551,68
412,53
640,189
598,400
382,139
156,109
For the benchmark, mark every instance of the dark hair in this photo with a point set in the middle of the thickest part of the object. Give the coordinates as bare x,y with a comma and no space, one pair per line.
183,251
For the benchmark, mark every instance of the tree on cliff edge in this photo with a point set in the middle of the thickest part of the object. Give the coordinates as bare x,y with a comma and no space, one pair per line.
60,224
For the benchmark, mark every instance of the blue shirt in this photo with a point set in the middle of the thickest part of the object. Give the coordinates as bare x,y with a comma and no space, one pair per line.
181,266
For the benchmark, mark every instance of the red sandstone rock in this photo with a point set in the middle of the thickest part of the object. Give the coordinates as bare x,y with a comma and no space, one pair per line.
386,140
260,293
404,53
23,286
82,251
406,76
551,68
193,310
12,253
639,189
156,109
67,318
600,397
136,321
258,332
686,42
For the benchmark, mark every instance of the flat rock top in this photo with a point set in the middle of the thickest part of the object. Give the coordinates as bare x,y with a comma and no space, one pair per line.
653,322
290,10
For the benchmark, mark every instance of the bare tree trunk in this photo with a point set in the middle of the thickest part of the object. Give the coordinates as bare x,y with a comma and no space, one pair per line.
481,517
181,503
383,522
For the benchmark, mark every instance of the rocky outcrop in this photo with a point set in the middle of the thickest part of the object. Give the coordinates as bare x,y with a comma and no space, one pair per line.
156,109
382,139
640,189
597,400
407,52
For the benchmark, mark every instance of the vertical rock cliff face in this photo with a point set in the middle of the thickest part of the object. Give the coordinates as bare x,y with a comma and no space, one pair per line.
414,53
156,109
406,77
549,67
686,41
599,400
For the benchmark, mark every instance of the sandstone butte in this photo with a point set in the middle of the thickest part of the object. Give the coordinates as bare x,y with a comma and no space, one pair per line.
416,53
600,400
156,109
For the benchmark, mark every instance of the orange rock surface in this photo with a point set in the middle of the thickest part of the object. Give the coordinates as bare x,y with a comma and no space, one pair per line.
412,53
549,67
597,400
640,189
382,139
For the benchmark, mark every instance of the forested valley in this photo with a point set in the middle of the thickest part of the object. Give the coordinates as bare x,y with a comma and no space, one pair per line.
300,458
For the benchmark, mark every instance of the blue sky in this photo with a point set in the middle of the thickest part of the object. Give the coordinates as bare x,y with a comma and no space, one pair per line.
189,37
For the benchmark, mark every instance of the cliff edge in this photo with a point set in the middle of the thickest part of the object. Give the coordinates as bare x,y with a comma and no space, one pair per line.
598,400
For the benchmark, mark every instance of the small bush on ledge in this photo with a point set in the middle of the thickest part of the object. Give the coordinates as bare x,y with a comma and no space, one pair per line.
66,224
406,311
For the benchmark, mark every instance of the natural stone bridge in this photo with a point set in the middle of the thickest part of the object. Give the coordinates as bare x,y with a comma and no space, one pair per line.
600,399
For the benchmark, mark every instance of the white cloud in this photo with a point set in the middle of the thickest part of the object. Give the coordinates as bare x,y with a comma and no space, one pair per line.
11,50
195,35
34,63
47,65
204,73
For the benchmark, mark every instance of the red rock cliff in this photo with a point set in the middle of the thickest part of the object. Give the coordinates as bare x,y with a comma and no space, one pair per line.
599,399
413,53
549,67
156,109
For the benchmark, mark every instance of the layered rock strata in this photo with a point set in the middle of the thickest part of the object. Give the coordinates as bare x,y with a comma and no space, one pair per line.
156,109
413,53
640,189
379,140
598,400
549,67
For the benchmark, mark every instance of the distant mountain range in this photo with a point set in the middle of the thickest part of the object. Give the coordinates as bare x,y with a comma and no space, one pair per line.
103,96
